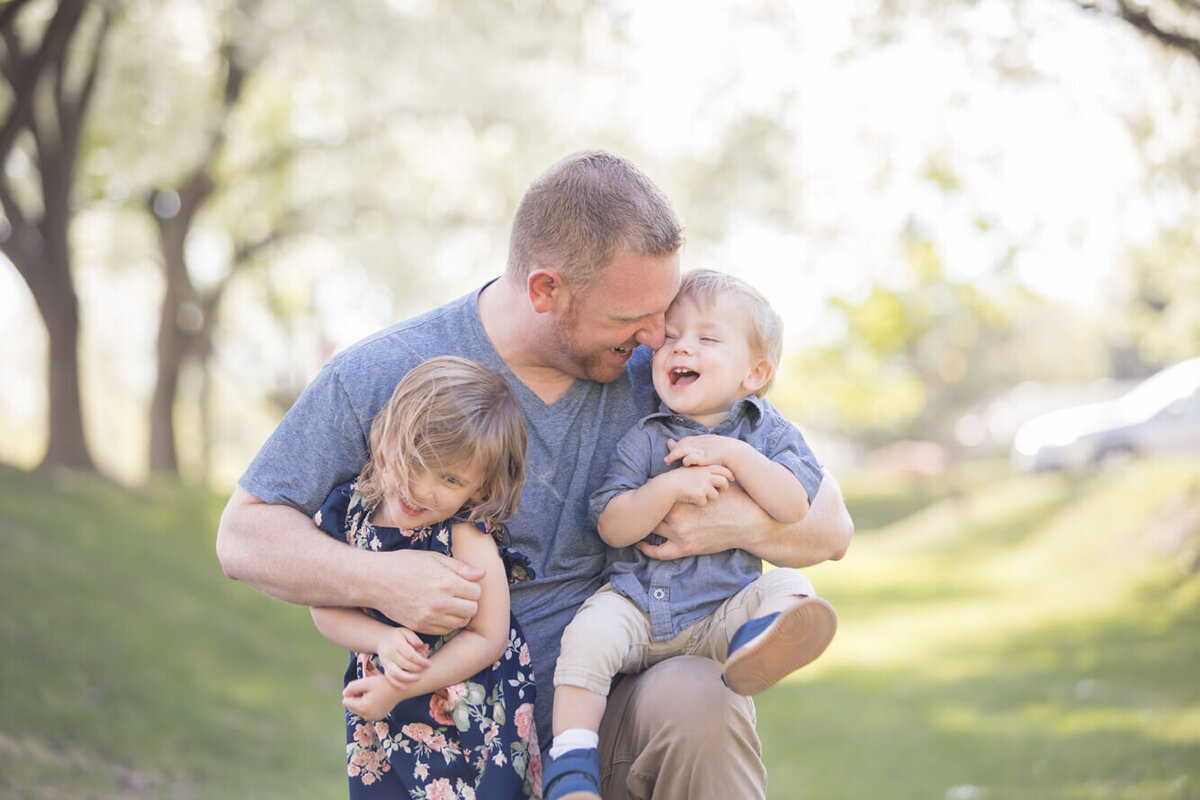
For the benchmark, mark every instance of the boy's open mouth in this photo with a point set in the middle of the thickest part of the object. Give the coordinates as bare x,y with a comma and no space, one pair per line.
682,376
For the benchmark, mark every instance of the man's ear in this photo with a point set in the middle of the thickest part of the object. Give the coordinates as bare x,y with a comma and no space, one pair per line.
545,287
758,376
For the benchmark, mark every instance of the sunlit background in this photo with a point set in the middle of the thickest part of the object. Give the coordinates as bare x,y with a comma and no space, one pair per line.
969,213
943,199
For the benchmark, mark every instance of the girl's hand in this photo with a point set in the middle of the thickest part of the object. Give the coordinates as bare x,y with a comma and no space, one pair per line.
371,698
403,656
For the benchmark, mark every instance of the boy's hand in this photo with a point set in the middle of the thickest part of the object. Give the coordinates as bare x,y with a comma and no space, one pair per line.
371,698
704,450
403,655
698,485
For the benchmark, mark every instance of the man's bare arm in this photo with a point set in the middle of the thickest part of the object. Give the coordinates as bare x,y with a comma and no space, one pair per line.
734,520
279,550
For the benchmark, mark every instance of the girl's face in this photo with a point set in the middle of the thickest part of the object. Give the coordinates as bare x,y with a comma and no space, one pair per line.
431,496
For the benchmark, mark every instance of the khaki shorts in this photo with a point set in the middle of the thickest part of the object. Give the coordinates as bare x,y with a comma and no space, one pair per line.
610,635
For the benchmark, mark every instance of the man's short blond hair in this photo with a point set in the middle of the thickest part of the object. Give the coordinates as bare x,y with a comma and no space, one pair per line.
704,286
585,210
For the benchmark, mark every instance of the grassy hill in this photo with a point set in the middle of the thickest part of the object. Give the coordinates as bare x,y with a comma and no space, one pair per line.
1001,637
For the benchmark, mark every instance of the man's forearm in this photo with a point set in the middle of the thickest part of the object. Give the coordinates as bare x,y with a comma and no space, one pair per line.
279,551
736,521
823,534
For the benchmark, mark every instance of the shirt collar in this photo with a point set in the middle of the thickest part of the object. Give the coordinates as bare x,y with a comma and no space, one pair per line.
749,408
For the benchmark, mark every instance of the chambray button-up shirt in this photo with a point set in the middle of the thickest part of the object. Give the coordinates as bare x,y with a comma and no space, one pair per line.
676,594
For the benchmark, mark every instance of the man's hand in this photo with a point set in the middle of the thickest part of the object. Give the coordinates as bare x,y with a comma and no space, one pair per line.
734,520
428,592
371,698
403,655
692,530
279,550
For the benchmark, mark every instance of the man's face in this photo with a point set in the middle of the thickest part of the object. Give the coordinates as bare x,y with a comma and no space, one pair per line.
624,308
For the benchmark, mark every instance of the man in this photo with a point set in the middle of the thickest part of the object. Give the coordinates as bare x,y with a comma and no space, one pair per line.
593,264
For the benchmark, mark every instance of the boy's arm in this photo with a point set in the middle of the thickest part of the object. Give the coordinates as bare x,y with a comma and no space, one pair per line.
772,485
279,550
479,644
735,520
629,516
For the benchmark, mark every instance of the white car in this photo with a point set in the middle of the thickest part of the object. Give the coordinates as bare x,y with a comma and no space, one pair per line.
1159,415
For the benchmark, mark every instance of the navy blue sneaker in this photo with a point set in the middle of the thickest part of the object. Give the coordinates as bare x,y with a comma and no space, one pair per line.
575,775
766,649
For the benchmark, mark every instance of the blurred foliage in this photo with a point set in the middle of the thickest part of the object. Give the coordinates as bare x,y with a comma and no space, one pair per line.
912,358
376,150
1164,315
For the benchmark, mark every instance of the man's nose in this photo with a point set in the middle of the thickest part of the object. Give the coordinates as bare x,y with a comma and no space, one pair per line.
654,333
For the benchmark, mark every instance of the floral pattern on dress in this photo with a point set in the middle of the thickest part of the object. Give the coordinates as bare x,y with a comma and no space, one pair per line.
473,739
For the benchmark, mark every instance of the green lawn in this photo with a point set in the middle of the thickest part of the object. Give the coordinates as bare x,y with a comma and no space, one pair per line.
1001,637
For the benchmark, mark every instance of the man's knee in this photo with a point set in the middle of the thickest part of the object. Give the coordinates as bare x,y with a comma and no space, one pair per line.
677,732
687,694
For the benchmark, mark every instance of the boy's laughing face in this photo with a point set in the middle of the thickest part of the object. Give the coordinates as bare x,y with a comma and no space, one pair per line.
706,363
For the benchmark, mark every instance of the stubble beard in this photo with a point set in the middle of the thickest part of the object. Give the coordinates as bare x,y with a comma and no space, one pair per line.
592,365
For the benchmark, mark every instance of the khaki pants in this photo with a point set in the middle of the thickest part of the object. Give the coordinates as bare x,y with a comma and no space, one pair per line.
675,731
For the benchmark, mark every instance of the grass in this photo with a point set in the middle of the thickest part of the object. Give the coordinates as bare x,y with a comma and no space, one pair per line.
1001,637
1034,637
133,668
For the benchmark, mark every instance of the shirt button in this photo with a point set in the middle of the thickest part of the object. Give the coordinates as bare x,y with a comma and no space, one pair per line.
659,594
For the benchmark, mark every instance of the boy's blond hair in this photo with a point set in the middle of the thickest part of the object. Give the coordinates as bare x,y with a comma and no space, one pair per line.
704,286
445,413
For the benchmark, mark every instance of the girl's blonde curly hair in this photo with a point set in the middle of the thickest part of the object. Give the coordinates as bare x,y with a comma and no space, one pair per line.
445,413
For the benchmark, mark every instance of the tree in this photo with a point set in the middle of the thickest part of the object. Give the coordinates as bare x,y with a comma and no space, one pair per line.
51,76
248,179
1161,317
1175,24
187,314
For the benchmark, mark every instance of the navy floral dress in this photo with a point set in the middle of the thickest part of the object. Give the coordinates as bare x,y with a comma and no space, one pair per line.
475,740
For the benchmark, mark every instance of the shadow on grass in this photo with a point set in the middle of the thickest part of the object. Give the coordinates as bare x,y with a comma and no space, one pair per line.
1109,710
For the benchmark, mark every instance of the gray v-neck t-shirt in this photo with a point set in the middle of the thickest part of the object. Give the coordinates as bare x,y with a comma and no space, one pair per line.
322,442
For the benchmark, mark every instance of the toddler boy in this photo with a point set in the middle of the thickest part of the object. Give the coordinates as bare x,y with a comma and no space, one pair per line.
723,344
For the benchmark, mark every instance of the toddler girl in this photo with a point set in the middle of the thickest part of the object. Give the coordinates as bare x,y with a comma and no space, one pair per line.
439,716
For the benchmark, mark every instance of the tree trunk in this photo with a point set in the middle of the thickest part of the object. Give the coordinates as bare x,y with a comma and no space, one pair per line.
39,244
67,446
180,338
171,348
